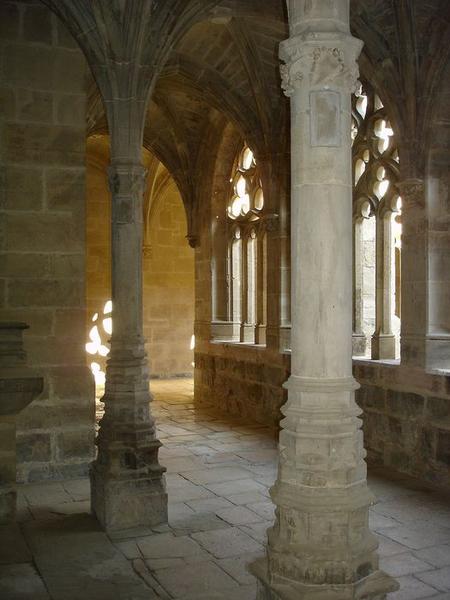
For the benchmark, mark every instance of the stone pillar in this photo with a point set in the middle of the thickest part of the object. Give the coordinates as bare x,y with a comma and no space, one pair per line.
414,278
19,385
383,340
128,485
359,337
320,545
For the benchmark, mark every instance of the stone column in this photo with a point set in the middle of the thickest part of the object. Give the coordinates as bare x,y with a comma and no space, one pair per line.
261,284
247,328
359,337
414,278
128,485
320,545
383,340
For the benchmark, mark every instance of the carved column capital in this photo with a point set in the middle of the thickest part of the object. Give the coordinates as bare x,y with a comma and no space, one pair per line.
412,192
126,179
320,64
127,184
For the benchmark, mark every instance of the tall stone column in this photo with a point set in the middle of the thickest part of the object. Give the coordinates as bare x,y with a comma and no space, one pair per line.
383,340
320,545
414,278
127,481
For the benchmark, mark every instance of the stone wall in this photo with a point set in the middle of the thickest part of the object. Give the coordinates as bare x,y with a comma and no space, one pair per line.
98,226
42,241
244,381
406,420
168,276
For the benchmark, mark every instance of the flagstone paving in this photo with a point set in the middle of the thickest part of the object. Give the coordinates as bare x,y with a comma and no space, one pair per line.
219,470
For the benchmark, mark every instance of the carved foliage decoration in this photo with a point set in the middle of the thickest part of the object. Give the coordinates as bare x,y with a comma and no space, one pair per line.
324,68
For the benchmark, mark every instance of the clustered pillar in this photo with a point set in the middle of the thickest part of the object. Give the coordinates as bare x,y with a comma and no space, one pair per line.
128,485
320,545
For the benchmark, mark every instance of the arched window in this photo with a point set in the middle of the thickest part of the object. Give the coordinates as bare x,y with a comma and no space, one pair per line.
377,229
247,251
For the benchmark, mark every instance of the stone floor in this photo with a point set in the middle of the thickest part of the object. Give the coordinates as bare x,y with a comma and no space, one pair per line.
219,471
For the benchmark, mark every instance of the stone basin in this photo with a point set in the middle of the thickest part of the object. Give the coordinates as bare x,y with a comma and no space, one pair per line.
19,385
16,393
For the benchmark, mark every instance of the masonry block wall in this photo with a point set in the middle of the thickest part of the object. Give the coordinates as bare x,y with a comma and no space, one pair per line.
168,279
406,416
98,227
42,242
246,382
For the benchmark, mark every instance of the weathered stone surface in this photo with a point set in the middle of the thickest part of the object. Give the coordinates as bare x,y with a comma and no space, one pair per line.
33,447
405,404
75,444
37,25
34,105
71,109
65,187
72,553
58,144
42,233
9,21
23,188
21,582
45,293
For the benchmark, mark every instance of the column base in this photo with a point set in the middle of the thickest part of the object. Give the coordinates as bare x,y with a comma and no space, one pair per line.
127,503
373,587
8,496
383,346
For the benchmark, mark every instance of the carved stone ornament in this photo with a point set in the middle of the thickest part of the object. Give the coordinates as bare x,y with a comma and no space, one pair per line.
127,180
147,251
412,192
193,240
320,67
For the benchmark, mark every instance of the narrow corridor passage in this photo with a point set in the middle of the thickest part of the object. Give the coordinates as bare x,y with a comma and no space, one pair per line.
219,470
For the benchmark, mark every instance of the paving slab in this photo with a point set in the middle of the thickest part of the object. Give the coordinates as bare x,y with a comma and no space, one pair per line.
13,547
185,581
21,582
227,542
169,546
77,561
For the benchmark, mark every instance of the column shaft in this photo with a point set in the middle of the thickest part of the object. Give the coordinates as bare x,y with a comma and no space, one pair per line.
359,337
320,545
383,340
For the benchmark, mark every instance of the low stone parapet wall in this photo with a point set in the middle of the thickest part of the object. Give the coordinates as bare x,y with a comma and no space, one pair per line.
406,416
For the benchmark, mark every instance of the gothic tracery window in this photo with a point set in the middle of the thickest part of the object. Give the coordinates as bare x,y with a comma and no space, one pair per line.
377,228
247,250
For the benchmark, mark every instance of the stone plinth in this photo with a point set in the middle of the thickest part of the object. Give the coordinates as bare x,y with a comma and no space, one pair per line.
19,385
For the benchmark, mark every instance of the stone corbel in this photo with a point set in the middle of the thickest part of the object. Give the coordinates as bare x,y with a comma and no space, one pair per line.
193,240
